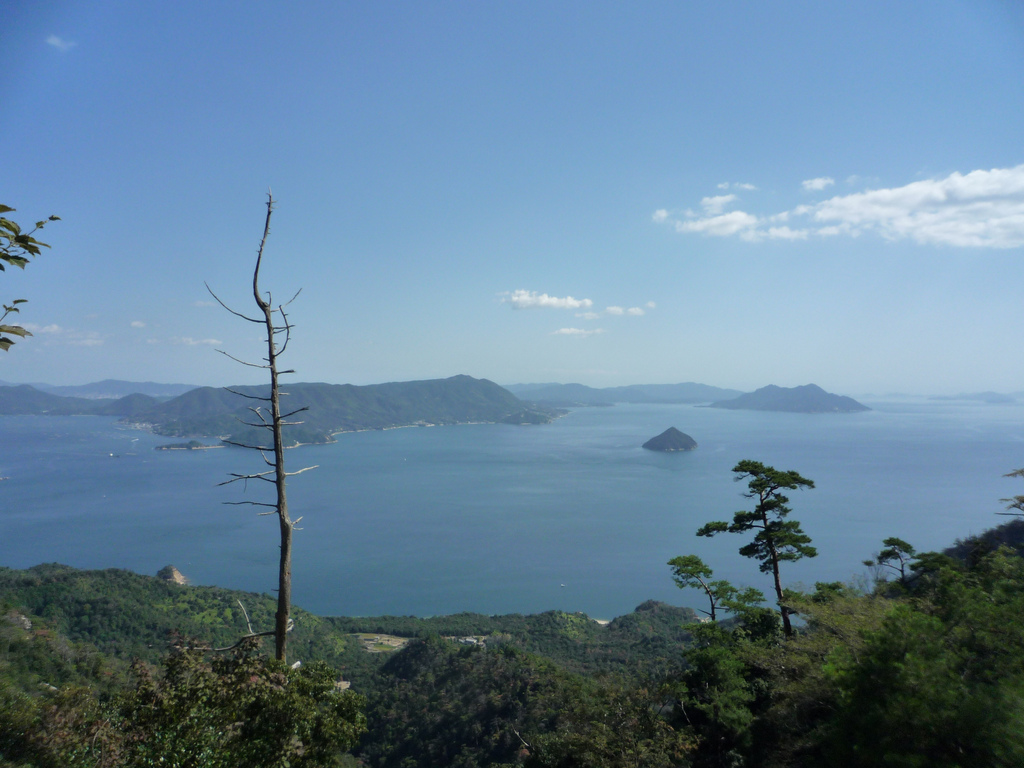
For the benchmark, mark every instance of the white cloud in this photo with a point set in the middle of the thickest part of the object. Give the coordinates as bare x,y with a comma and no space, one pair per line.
715,205
60,44
814,185
660,215
531,299
188,341
980,209
738,185
785,233
55,334
52,328
830,231
615,311
576,332
720,226
138,324
650,305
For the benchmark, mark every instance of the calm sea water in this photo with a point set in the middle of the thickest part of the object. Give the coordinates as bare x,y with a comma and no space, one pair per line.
497,519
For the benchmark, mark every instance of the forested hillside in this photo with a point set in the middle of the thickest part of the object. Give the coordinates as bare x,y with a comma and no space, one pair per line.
939,633
323,409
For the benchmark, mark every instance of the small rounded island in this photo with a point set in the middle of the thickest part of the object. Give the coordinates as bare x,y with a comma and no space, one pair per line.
671,440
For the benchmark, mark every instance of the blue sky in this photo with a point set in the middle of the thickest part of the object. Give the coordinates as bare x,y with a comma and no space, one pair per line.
730,193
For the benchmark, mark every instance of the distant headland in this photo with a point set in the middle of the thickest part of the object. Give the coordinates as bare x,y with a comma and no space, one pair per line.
328,409
809,398
191,445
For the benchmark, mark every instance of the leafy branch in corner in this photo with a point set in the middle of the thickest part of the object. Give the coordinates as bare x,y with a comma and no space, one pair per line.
16,248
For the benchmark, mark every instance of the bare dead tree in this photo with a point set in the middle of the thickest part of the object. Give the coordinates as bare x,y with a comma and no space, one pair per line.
278,329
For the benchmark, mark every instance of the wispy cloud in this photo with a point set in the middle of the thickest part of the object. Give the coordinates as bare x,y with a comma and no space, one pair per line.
980,209
616,311
54,334
531,300
814,185
720,226
785,233
737,185
60,43
137,324
51,328
188,341
715,205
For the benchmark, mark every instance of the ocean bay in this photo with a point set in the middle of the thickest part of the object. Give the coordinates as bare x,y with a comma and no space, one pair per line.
496,518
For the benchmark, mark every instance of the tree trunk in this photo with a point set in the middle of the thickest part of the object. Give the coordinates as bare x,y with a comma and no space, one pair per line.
277,474
787,627
284,578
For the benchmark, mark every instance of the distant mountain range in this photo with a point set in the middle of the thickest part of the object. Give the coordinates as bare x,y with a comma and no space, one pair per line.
994,398
332,408
809,398
111,389
806,399
25,399
568,395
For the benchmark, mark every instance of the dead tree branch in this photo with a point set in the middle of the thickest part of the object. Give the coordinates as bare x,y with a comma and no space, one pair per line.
277,329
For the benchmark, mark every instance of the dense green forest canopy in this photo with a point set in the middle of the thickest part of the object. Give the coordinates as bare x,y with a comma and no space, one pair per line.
652,688
332,408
